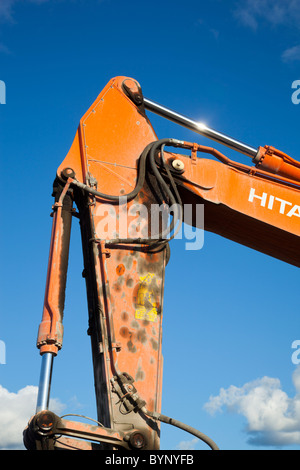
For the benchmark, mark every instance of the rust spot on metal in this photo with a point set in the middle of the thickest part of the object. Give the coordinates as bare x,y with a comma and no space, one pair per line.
127,262
124,316
135,324
117,287
120,269
131,346
154,344
140,374
124,332
142,335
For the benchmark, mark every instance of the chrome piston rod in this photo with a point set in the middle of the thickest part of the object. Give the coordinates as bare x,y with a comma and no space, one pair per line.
45,382
200,128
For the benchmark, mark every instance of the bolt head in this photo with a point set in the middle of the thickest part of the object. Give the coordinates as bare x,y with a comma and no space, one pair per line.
178,165
137,440
45,421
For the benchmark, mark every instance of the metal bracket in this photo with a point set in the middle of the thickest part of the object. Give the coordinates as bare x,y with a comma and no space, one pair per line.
46,431
122,384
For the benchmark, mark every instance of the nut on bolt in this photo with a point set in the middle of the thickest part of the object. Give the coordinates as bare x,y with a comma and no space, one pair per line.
178,165
67,173
137,440
45,421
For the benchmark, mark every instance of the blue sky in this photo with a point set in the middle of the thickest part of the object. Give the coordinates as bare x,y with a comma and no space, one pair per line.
231,315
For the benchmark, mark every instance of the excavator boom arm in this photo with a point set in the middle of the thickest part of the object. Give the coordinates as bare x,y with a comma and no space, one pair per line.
132,194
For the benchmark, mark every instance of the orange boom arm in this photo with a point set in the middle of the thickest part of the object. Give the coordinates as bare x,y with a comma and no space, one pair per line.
125,184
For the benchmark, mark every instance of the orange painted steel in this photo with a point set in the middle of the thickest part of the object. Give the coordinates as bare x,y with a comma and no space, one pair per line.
277,162
81,436
244,204
50,333
257,207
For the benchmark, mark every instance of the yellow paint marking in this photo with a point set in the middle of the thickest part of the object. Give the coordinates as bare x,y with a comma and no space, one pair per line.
146,304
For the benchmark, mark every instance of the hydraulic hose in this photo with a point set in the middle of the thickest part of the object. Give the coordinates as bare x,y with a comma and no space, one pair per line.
149,154
175,204
184,427
133,193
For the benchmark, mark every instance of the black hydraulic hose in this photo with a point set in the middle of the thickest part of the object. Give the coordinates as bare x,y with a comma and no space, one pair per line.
141,173
173,185
174,188
149,152
184,427
177,216
133,193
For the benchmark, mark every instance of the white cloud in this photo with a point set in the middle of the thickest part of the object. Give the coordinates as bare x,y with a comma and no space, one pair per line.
291,55
188,445
275,12
273,418
15,412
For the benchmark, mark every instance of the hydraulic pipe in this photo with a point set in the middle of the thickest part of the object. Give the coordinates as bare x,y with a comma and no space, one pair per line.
200,128
45,382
